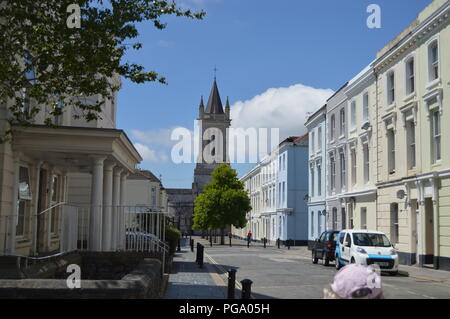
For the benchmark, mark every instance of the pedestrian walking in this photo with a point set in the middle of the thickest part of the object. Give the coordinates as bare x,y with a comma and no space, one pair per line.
249,238
355,282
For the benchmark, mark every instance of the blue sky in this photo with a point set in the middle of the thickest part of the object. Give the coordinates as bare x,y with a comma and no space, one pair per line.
276,60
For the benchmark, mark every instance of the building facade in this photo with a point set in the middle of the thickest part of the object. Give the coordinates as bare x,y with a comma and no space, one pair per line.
278,193
388,160
43,169
337,170
361,192
317,132
413,76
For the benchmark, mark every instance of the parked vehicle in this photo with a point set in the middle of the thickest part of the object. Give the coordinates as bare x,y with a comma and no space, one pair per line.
324,247
366,248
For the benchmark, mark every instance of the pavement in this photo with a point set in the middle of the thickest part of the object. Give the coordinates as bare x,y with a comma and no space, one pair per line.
282,273
188,281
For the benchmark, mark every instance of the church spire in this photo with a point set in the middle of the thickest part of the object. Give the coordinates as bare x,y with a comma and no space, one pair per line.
201,107
227,108
214,105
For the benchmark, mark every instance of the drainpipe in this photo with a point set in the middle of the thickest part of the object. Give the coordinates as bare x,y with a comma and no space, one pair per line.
377,146
434,182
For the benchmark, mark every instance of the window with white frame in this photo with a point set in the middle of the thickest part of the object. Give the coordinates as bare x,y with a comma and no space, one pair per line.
332,127
284,192
411,140
436,135
332,172
394,223
410,77
313,142
319,179
391,150
335,219
366,107
366,157
312,180
390,88
343,170
319,138
312,224
353,115
23,218
353,158
342,121
363,218
433,61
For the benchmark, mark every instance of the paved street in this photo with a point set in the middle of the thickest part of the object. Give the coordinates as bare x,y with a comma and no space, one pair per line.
290,274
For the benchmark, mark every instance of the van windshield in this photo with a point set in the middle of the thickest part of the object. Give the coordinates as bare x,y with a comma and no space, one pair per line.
371,240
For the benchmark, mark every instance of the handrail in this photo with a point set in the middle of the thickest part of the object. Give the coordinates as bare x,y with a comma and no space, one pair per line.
50,208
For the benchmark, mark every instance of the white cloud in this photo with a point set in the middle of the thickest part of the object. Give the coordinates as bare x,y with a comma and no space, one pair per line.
284,108
160,137
150,155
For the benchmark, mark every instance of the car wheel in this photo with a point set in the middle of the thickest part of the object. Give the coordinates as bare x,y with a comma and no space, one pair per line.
338,263
314,258
352,260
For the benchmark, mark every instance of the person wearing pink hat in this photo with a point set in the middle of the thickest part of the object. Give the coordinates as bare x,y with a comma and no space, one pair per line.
355,282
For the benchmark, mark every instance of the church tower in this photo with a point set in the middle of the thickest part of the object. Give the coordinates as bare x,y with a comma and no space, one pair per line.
213,142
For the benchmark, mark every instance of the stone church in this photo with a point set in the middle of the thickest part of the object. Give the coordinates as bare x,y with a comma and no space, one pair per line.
213,122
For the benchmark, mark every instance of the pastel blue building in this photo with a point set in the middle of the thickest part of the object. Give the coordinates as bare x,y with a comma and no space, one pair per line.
291,218
317,172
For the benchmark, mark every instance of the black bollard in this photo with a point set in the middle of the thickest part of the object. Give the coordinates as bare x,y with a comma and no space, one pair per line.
246,288
192,245
231,283
265,241
210,240
200,257
230,241
289,244
278,243
197,258
179,245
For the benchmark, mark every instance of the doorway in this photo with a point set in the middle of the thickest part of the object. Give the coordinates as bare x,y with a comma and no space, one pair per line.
429,233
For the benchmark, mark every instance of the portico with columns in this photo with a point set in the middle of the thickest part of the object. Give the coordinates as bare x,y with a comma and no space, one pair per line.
50,169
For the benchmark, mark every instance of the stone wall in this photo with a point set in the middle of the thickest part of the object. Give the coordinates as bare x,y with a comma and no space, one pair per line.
103,276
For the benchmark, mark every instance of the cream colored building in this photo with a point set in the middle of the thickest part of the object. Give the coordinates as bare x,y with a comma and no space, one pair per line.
145,189
44,170
413,151
361,195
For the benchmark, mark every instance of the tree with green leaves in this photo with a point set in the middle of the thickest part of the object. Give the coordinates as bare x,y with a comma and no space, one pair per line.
224,202
52,51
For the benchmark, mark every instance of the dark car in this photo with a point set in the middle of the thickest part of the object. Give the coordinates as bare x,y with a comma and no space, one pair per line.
324,247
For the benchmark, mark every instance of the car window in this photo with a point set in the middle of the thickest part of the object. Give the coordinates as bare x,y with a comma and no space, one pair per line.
341,239
334,236
322,237
371,240
348,239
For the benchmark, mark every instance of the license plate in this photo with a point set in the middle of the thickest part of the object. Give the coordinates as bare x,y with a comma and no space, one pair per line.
382,264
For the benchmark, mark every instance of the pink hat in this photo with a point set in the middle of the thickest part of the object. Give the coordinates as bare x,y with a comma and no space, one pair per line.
357,282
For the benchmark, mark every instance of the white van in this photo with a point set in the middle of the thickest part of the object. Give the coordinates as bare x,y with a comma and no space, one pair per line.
366,248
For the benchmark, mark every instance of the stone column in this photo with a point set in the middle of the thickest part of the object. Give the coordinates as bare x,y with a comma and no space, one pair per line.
117,209
123,210
13,217
34,219
107,206
95,218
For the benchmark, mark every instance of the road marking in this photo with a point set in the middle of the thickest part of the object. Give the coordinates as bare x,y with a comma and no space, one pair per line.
221,269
